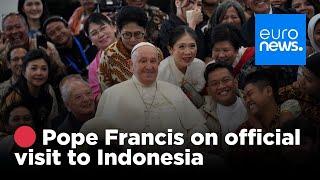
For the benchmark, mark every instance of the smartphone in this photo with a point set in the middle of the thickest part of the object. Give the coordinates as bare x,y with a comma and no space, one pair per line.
42,41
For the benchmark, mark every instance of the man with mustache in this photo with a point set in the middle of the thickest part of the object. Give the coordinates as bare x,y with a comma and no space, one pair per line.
259,7
143,104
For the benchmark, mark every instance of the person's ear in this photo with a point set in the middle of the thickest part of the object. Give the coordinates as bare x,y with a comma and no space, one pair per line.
235,81
269,91
66,104
23,72
8,64
208,90
170,50
131,65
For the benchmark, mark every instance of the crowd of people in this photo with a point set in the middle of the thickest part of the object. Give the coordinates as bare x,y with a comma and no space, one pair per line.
139,69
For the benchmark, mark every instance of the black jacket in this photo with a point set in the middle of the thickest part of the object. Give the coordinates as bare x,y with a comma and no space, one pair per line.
75,54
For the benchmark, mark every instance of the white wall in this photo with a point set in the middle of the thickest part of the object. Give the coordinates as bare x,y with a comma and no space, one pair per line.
7,6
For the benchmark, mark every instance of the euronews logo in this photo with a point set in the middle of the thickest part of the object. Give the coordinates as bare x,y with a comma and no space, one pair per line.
280,39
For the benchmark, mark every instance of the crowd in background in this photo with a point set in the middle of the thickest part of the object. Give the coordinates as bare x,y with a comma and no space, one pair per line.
53,71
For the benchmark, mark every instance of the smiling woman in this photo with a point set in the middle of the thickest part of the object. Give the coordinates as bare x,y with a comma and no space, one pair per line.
302,6
32,88
182,68
35,12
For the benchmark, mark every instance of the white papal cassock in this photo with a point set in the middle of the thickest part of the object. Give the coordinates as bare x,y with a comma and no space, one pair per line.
132,107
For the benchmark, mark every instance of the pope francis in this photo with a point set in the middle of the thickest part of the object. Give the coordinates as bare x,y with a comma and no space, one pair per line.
143,104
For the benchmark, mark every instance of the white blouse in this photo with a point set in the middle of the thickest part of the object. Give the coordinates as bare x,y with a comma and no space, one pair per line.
169,72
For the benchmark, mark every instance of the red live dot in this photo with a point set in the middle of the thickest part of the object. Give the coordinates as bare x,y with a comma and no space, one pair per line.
24,136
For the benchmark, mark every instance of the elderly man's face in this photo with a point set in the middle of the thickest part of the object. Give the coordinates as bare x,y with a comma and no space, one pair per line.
145,64
16,31
260,6
81,101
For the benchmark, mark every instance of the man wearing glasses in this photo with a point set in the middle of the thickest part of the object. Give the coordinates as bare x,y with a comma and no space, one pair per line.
224,110
114,65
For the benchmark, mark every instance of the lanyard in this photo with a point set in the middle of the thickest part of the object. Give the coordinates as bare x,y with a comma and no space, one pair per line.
71,60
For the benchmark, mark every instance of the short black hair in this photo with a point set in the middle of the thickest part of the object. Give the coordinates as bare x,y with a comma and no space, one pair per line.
96,18
13,48
214,66
227,32
178,32
53,19
261,79
7,110
34,55
129,14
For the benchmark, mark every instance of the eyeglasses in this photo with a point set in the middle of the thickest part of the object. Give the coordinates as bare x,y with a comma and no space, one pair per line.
216,83
136,35
102,29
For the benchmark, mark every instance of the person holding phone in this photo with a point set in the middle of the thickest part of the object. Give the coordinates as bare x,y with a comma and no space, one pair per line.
184,12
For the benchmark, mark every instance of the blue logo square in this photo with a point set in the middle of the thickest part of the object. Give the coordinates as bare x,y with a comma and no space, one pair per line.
280,39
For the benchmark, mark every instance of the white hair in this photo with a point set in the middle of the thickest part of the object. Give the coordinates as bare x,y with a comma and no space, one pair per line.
67,83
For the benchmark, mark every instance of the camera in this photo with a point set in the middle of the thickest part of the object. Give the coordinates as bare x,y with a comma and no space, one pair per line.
109,5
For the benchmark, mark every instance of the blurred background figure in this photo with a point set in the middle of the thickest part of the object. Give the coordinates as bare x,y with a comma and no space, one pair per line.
278,3
79,16
302,6
15,57
178,16
35,13
230,12
314,32
155,18
289,110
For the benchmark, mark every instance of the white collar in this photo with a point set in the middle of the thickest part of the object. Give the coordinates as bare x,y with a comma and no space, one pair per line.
140,85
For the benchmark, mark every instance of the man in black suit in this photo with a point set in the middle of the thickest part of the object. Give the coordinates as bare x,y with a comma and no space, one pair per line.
259,7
